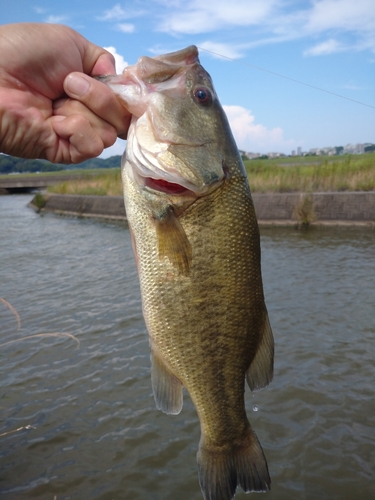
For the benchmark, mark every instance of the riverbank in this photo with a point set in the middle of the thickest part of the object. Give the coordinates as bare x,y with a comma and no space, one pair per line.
314,174
272,209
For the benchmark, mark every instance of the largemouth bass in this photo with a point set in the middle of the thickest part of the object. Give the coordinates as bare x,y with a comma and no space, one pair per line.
197,249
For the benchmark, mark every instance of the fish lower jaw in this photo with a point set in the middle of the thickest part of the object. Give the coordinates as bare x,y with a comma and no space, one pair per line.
167,182
174,188
166,187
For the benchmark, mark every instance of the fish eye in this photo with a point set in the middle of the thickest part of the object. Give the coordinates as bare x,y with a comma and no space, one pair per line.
203,96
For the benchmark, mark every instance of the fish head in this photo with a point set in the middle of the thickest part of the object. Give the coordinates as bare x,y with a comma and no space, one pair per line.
178,128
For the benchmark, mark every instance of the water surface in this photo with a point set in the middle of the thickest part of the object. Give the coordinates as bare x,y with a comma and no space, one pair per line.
79,421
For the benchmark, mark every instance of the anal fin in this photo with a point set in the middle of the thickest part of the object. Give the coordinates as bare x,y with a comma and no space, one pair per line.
260,372
166,387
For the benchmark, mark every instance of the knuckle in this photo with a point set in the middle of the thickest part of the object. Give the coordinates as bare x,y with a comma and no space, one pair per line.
110,136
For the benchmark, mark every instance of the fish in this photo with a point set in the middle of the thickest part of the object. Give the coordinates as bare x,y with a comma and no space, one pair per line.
197,249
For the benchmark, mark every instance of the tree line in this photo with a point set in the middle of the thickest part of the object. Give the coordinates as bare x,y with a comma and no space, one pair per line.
14,165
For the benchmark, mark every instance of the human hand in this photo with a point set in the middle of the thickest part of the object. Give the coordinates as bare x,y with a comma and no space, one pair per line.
50,106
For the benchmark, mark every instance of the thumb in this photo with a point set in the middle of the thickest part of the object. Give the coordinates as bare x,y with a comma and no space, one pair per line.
76,85
99,99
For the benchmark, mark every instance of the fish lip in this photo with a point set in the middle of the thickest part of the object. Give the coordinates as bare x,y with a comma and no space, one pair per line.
164,183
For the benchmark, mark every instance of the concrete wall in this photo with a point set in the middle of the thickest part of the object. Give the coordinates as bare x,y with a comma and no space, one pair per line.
107,207
345,208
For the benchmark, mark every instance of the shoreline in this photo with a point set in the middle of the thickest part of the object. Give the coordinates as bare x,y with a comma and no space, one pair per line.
329,209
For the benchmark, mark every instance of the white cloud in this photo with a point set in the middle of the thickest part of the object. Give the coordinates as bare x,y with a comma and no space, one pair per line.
126,27
352,86
221,49
274,21
201,17
119,59
330,46
40,10
116,13
53,19
348,15
254,137
345,17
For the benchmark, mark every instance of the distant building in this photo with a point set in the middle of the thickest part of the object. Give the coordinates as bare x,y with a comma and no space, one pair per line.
355,149
275,155
314,151
249,155
327,151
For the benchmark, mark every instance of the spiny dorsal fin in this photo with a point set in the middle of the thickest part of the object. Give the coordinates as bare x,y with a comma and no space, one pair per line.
260,372
166,387
172,241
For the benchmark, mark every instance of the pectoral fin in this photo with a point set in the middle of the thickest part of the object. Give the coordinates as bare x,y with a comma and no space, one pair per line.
260,372
166,387
172,241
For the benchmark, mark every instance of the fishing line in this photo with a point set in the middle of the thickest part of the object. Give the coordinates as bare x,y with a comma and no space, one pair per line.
287,78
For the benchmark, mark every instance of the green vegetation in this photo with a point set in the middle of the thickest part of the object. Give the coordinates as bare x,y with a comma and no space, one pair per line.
312,174
280,175
105,183
39,201
12,165
304,211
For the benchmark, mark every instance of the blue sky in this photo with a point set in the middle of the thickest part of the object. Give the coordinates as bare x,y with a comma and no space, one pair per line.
328,44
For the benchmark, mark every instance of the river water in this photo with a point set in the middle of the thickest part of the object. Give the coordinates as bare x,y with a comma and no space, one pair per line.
78,421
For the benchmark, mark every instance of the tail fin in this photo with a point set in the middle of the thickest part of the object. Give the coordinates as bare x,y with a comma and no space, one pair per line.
220,472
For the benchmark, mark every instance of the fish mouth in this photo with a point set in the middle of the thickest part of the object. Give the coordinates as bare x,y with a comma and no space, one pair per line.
167,187
146,157
171,184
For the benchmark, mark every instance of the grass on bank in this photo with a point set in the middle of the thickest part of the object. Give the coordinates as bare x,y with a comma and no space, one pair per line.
280,175
107,183
312,174
77,172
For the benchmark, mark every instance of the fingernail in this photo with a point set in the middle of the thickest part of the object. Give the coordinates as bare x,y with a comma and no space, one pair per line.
76,85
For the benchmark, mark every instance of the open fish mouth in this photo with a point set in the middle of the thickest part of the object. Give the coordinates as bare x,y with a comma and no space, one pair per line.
152,174
167,187
157,168
171,183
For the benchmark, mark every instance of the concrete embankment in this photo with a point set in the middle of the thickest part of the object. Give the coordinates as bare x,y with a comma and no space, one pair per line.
331,208
101,207
340,209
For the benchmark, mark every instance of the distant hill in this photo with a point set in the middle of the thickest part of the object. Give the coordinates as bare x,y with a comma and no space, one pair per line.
12,165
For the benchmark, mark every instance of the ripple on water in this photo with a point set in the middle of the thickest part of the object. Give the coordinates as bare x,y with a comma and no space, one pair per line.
80,422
